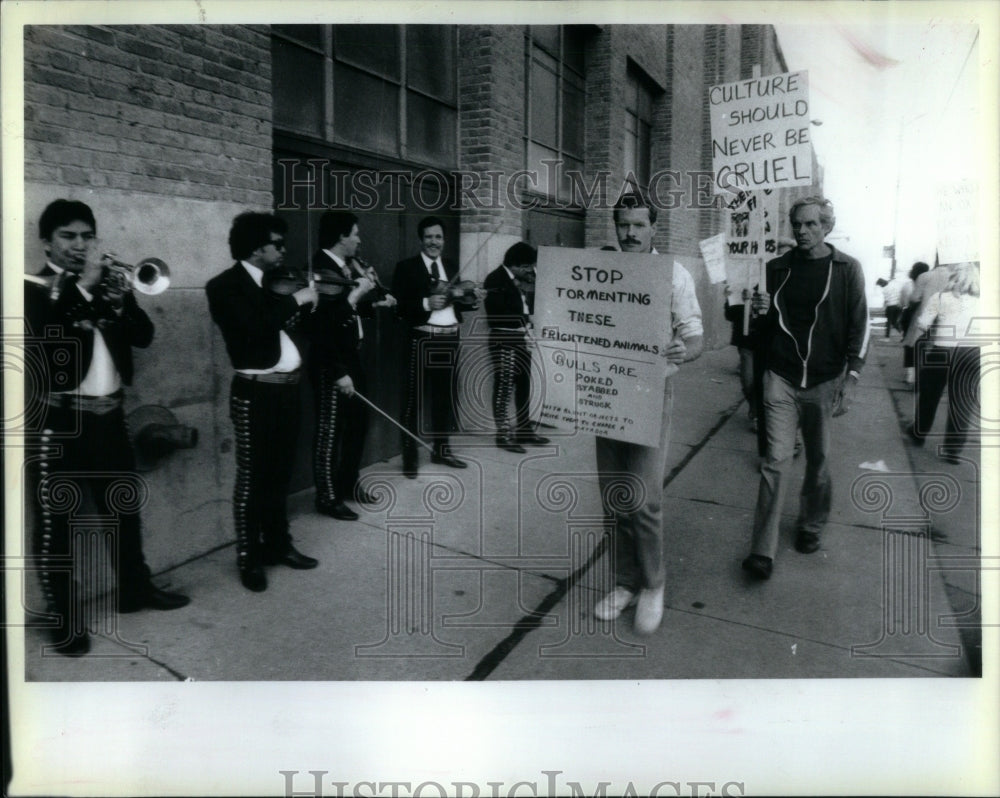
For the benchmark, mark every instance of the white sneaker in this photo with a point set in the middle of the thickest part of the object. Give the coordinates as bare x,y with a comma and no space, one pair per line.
649,611
611,606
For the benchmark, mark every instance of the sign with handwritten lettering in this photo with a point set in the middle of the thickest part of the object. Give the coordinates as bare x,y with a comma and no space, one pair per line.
602,321
760,133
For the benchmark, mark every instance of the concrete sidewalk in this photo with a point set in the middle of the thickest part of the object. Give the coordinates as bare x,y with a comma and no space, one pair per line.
492,572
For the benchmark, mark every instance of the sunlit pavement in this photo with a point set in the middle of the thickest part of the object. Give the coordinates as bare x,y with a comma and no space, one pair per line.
492,572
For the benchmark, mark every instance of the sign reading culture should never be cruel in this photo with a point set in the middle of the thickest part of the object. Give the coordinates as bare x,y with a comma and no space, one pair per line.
602,321
760,133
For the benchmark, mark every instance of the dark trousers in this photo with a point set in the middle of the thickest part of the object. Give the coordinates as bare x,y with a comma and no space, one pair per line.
265,420
892,314
511,377
341,427
957,368
430,380
85,453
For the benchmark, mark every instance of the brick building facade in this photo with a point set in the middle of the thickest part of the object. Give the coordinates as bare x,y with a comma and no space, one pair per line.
169,131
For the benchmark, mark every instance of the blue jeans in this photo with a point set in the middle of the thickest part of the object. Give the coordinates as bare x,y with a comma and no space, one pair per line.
785,408
637,531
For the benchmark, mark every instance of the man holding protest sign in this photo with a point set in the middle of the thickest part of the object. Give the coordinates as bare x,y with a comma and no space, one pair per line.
638,531
814,341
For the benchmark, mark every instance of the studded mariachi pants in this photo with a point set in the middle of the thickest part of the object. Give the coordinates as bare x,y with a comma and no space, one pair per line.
341,426
265,420
511,377
430,377
85,453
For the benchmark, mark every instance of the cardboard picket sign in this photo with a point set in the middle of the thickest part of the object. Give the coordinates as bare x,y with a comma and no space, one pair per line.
602,322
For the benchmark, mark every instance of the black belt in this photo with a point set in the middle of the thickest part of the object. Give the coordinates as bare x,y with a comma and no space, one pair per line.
99,405
278,377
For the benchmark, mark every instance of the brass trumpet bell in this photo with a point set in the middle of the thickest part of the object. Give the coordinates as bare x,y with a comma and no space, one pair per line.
150,276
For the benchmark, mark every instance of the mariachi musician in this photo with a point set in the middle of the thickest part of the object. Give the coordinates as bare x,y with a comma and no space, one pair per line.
509,304
263,332
431,305
83,314
335,366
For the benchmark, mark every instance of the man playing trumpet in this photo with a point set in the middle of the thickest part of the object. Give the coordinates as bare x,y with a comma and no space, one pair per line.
83,440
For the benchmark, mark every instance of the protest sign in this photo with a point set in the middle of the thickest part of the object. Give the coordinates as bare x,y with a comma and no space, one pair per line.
602,321
958,222
760,133
713,250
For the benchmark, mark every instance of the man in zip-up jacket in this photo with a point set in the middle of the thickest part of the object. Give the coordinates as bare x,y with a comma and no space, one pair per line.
814,341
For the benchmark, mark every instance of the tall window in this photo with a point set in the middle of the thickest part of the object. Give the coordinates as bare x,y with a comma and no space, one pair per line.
554,103
391,89
638,124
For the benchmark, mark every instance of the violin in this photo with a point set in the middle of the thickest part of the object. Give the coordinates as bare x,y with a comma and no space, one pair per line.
462,291
362,269
285,282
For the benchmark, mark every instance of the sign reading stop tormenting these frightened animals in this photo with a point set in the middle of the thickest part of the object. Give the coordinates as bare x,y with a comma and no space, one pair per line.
760,133
602,321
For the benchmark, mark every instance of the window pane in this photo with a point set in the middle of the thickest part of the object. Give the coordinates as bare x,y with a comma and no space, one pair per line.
645,104
565,184
372,47
546,36
544,103
430,60
430,130
307,34
574,47
643,146
630,162
299,104
573,119
546,183
365,110
632,94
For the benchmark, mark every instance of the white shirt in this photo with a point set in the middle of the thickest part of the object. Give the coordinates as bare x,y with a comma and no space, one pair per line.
290,359
445,317
102,378
949,318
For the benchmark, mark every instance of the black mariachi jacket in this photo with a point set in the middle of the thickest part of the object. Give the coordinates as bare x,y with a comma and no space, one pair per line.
250,318
503,304
333,328
57,312
412,283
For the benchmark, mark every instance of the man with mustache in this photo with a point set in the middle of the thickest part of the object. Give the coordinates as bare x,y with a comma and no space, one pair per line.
638,536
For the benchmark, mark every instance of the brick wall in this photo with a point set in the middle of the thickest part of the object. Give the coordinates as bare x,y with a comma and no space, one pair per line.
165,131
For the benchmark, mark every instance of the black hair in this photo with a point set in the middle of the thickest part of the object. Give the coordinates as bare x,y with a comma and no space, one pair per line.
633,199
251,231
333,225
428,221
918,268
62,212
521,254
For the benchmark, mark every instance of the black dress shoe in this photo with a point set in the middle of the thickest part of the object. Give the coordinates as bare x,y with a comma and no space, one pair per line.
76,645
410,470
759,566
448,460
337,510
293,559
152,598
253,578
532,440
806,542
510,445
361,496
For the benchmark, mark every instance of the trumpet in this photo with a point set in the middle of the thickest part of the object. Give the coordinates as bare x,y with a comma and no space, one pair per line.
150,276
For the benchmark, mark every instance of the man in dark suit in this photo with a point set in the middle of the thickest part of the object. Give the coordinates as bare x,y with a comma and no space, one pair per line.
335,367
90,321
423,287
509,304
263,335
